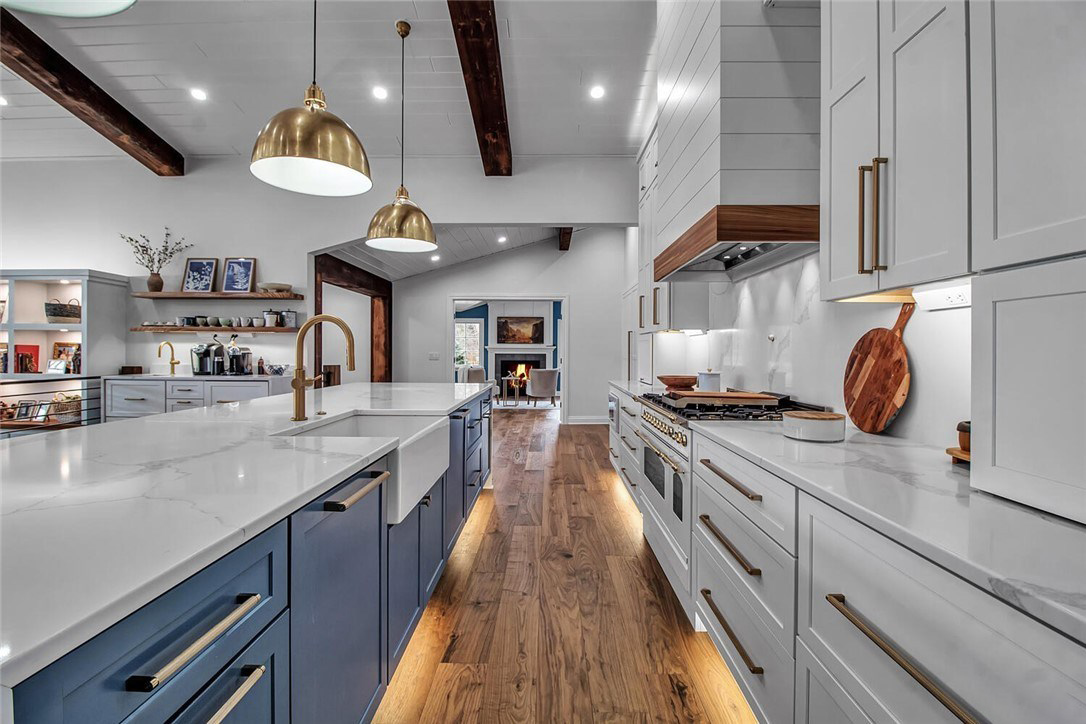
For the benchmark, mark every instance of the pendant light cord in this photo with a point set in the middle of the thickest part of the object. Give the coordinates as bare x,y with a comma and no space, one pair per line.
403,86
314,41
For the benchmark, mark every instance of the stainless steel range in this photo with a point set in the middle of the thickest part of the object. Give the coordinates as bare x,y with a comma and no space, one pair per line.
667,450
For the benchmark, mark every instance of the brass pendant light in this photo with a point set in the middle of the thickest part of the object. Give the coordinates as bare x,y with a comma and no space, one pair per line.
309,149
401,225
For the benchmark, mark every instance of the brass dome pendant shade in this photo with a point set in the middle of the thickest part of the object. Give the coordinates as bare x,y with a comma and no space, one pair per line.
401,225
310,150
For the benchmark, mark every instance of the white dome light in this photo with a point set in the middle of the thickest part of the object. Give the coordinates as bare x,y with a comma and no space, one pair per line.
597,92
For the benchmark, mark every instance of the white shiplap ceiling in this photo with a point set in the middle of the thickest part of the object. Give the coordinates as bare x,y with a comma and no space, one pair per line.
456,244
253,59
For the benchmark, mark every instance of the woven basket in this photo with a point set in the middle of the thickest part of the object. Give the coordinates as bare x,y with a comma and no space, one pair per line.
66,408
57,313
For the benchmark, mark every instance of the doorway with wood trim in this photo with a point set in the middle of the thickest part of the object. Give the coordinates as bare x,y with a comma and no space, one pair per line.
335,284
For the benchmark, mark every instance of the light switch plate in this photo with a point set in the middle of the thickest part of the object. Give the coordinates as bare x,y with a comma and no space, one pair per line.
435,356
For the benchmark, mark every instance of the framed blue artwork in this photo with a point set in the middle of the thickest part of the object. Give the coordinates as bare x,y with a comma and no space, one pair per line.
199,275
239,274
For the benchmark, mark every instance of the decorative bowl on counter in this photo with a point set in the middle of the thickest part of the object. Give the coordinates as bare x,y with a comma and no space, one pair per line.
276,370
678,382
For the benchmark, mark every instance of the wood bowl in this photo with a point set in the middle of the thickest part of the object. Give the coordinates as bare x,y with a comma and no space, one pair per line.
678,382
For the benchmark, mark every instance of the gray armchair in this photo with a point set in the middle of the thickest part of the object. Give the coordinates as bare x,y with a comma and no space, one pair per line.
542,384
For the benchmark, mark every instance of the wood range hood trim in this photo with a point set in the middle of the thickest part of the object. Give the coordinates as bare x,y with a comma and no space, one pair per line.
739,223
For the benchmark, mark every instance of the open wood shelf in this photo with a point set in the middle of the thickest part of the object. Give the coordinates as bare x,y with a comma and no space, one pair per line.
243,330
218,295
36,424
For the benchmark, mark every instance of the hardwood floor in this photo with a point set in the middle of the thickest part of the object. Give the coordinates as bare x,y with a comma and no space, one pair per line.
552,607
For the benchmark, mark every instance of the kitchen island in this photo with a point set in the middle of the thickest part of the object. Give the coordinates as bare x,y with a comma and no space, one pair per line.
98,522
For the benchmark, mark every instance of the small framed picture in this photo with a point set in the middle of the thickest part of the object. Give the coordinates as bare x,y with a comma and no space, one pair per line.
200,275
238,275
42,413
57,367
26,409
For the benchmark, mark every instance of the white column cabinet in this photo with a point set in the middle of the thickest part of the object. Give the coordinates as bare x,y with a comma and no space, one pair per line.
1028,86
895,141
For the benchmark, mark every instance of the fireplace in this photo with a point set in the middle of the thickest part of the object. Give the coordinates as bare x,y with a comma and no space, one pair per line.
519,365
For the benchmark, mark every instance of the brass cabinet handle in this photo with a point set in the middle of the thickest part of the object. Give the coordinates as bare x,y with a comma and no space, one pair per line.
252,675
135,399
751,666
182,402
225,402
875,163
612,451
338,506
632,483
860,268
747,492
629,354
729,546
656,305
183,389
641,311
837,600
247,603
659,454
426,499
627,443
627,411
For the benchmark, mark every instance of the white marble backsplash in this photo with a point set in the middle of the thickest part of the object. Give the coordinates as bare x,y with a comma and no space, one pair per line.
772,332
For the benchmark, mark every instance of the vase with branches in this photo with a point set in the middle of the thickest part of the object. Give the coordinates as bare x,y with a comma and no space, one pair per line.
153,258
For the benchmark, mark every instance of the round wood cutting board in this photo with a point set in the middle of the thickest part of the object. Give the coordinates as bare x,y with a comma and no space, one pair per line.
877,376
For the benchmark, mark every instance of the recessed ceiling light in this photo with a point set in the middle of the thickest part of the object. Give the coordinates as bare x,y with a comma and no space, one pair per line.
435,257
3,101
198,93
742,248
380,92
502,240
727,256
597,91
65,281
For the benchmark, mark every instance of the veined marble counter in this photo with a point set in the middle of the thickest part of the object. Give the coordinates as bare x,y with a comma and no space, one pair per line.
913,494
96,522
635,387
188,377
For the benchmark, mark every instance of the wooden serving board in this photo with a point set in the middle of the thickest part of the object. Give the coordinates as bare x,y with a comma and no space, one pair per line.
724,398
877,376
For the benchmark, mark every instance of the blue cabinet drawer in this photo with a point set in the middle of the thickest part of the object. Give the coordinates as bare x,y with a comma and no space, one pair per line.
473,425
253,689
152,662
473,476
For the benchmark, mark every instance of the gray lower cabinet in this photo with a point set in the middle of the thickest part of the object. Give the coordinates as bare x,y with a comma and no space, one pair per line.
338,550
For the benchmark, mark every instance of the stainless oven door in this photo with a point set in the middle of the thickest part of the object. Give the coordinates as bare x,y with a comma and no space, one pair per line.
669,488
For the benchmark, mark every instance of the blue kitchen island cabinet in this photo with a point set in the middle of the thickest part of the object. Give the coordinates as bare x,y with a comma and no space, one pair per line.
431,538
338,550
454,480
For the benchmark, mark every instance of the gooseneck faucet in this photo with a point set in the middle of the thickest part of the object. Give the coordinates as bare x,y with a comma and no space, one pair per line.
173,358
300,381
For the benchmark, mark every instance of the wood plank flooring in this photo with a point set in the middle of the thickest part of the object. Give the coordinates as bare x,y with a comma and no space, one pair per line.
552,607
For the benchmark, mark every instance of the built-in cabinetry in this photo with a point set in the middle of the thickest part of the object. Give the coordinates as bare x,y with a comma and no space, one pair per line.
895,145
139,396
305,622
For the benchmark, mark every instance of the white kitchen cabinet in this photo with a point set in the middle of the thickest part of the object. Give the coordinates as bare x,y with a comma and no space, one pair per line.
647,165
222,392
135,398
629,332
820,698
1028,328
894,158
178,405
1028,87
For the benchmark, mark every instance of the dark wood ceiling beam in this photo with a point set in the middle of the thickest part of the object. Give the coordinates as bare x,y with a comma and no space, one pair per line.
30,57
476,30
565,236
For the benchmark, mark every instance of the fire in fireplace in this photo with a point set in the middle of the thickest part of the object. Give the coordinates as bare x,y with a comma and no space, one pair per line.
519,369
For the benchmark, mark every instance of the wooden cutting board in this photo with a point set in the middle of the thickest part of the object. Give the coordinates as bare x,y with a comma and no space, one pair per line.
732,398
877,376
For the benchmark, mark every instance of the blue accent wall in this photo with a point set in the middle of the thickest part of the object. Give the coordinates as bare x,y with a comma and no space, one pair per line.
481,312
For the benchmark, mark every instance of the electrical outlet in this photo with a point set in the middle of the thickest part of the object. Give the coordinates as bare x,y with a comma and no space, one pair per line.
435,356
944,296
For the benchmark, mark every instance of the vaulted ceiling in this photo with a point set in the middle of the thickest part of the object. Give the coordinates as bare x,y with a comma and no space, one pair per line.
253,57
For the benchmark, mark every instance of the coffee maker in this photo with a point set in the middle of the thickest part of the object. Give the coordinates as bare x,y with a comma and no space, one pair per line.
239,360
208,358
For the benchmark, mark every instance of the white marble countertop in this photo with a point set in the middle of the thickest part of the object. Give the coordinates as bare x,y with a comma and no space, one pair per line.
96,522
914,495
188,377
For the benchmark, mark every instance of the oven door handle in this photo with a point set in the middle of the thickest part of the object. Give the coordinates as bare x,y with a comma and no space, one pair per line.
670,463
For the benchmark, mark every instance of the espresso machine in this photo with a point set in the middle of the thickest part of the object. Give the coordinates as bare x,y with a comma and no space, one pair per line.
239,360
209,358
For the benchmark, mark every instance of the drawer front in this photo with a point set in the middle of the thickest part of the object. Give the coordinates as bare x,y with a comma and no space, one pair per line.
763,573
473,423
176,405
980,653
187,390
473,477
631,476
820,699
764,672
628,410
668,554
254,688
614,448
107,678
222,392
630,442
756,493
135,398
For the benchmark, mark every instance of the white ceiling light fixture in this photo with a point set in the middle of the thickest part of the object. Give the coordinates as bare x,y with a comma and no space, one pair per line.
380,92
70,8
597,92
502,239
198,93
402,226
309,150
435,257
3,101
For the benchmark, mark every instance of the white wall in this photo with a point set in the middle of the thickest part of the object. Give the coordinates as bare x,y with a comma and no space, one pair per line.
354,309
590,273
68,214
812,342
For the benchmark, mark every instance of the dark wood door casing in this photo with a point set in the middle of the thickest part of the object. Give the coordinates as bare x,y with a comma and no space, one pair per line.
330,270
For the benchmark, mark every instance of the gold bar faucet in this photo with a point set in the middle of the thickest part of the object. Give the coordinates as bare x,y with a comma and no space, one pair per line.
173,358
300,381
